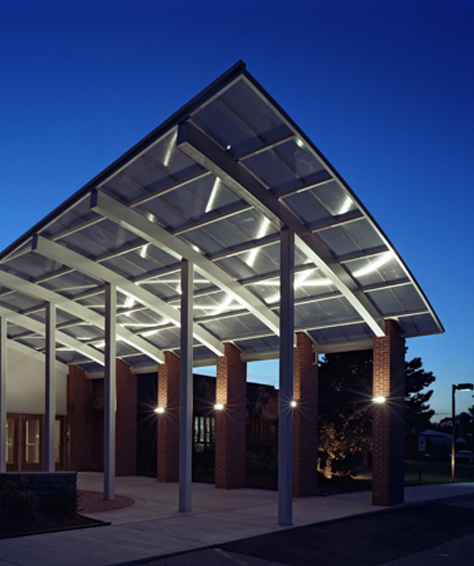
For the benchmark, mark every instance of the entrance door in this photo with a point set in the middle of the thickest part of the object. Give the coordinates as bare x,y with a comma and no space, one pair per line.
12,444
25,443
32,443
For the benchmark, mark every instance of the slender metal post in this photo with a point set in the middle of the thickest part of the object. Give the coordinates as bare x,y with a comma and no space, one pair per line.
186,387
3,394
453,438
50,388
285,411
109,391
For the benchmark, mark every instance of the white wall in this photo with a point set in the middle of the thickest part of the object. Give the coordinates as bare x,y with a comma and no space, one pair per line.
26,385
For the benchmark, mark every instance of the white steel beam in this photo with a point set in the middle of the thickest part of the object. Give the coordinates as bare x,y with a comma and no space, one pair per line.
285,409
79,311
50,389
204,151
109,391
3,395
75,260
61,337
151,232
186,388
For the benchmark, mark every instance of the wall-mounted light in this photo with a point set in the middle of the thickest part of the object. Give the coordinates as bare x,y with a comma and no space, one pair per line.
219,407
379,400
293,403
160,410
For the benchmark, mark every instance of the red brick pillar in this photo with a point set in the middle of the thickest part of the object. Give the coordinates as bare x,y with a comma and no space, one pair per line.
389,418
79,420
231,391
126,421
168,422
305,418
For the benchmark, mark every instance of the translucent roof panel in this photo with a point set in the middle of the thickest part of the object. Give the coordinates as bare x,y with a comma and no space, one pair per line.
214,186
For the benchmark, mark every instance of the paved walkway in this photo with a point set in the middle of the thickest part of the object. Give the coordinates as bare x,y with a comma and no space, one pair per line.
153,527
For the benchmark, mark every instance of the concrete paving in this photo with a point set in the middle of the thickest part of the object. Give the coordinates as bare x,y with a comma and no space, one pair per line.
153,527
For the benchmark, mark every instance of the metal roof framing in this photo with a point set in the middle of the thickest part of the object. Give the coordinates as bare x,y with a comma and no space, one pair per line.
214,185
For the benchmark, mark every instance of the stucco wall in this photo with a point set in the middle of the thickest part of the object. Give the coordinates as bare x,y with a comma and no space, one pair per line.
25,386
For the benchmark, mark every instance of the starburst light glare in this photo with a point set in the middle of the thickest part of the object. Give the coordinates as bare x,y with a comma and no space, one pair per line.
225,303
219,407
346,206
160,410
212,198
149,333
143,251
374,265
169,149
261,233
379,400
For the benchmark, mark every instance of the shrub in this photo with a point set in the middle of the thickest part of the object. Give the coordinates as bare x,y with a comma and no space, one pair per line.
17,502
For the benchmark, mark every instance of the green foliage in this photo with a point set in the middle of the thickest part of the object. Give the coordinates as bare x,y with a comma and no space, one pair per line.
417,410
17,502
345,384
345,398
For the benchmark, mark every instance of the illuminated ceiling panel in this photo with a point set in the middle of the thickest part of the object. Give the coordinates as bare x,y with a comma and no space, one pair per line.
214,184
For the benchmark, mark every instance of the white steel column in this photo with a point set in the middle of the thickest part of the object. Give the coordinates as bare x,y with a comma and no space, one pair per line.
50,388
3,394
186,387
285,410
109,391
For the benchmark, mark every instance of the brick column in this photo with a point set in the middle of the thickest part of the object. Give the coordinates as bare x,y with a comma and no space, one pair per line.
231,391
168,423
389,418
126,421
79,420
305,418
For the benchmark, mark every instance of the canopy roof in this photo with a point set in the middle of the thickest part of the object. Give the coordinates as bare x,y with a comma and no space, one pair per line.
214,184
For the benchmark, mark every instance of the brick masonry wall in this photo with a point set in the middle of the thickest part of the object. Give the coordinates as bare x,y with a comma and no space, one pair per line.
46,484
79,420
389,418
168,423
231,391
126,421
305,418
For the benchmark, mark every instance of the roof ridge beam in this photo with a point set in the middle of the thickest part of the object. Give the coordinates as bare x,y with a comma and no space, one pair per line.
154,234
204,151
83,264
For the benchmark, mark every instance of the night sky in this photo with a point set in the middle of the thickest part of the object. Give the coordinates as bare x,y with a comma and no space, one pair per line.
385,90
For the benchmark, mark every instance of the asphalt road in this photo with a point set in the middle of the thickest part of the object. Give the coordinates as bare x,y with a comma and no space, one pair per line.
434,534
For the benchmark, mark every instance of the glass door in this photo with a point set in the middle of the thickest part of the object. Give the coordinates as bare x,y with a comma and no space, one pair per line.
32,447
12,443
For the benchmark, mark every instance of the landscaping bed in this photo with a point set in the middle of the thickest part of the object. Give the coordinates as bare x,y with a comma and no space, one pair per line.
22,512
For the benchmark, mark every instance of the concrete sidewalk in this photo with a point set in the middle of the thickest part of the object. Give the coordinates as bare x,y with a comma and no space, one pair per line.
154,527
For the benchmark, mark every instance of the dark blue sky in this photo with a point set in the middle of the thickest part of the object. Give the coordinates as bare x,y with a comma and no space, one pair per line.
384,88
